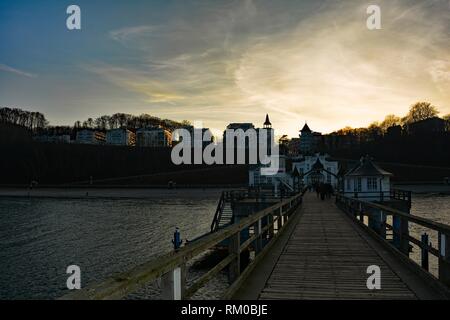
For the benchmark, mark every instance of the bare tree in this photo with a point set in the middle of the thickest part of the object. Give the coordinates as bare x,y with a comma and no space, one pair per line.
420,111
389,121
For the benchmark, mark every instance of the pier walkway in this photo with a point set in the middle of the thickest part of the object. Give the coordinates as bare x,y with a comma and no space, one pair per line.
299,247
325,255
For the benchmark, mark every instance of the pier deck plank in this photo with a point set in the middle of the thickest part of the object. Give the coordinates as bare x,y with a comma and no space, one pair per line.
326,257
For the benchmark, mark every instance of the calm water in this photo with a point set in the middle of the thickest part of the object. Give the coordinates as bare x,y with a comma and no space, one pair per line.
39,238
436,208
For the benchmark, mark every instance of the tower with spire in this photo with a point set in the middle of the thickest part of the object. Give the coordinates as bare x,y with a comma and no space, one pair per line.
267,127
267,124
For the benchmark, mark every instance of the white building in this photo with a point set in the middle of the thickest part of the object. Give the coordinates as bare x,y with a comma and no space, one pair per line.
317,168
250,143
87,136
367,181
153,137
121,137
259,178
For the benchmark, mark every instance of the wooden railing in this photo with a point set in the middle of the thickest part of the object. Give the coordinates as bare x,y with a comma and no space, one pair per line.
377,215
237,195
395,194
264,227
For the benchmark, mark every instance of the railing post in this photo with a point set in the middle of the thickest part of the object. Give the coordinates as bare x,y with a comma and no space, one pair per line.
234,269
377,221
258,240
361,213
444,258
264,222
382,224
424,251
173,284
281,220
272,227
401,232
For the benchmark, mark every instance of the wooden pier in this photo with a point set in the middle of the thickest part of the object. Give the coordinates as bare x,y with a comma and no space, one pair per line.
326,257
300,247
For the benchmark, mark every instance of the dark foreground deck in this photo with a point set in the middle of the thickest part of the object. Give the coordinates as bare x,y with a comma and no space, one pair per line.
325,255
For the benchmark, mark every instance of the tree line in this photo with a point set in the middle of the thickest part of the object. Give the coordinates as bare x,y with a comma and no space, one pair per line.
124,120
417,112
28,119
408,139
37,122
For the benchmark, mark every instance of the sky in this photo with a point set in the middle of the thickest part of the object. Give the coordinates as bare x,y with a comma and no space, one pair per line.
223,61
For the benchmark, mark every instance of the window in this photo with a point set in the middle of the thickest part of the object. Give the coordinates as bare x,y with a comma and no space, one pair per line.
348,184
372,184
358,185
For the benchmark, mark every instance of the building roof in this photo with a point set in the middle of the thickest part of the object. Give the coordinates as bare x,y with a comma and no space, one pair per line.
244,126
306,128
367,168
317,165
267,122
295,172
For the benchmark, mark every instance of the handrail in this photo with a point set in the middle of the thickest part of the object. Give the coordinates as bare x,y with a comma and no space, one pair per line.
378,213
397,194
437,226
171,265
218,212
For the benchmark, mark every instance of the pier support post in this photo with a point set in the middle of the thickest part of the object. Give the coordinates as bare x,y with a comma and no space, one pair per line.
444,258
234,269
173,284
424,251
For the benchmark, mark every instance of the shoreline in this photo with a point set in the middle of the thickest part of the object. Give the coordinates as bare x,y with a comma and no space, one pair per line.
132,192
429,188
112,193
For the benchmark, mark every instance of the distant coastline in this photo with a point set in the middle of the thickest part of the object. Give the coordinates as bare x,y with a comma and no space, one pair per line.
424,187
123,192
112,193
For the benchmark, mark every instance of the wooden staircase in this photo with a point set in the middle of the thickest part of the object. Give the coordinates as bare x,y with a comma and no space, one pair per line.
224,212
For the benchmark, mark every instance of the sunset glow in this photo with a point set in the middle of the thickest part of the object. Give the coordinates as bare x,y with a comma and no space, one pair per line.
227,61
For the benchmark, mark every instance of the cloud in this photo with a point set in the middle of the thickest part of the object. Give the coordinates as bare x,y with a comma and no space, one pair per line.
315,61
130,33
440,71
4,67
